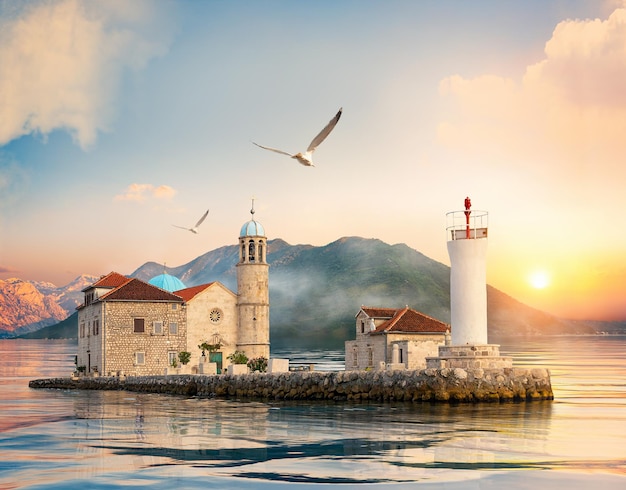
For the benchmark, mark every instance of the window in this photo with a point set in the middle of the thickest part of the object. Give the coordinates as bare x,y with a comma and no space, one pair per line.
96,327
362,326
171,358
251,251
157,328
138,325
355,358
215,315
370,357
82,330
174,306
173,328
140,358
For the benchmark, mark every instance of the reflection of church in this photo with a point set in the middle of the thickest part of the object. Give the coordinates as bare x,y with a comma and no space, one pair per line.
133,327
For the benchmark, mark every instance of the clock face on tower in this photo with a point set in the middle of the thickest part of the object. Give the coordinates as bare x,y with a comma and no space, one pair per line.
215,315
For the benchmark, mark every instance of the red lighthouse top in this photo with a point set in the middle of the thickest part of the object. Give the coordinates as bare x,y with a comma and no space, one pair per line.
467,224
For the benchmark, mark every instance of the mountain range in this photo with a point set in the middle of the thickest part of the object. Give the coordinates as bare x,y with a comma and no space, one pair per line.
315,292
27,306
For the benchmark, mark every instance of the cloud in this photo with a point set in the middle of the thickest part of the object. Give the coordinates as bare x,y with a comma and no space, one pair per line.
570,106
63,61
7,270
142,192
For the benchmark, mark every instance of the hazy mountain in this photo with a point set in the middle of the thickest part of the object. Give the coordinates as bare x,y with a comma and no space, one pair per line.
315,292
65,329
27,306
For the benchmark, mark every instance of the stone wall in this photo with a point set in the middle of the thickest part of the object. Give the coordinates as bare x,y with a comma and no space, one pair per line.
429,385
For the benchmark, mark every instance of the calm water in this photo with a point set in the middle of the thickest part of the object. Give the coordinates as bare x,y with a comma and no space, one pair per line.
73,439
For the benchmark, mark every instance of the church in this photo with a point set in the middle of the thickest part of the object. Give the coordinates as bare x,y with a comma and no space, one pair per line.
127,326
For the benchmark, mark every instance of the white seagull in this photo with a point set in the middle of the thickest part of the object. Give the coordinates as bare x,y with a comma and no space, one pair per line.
195,228
306,158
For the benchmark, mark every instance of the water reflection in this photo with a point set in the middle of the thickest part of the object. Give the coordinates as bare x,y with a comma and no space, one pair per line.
241,436
78,439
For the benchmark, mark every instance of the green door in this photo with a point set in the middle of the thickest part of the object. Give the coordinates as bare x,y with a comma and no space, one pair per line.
216,357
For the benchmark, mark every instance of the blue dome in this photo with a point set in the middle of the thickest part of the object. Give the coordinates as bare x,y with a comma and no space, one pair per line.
167,282
252,228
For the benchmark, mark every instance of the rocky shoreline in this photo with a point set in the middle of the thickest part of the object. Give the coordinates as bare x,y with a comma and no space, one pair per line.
446,385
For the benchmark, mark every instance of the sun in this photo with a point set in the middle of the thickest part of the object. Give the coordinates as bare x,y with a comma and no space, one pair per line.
539,279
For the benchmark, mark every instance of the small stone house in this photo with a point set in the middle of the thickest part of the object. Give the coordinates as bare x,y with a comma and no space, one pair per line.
127,325
394,338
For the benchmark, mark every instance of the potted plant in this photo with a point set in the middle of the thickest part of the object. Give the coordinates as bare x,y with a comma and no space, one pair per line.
238,361
184,357
258,364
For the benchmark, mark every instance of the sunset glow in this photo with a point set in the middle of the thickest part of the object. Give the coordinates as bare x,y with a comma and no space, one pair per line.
539,279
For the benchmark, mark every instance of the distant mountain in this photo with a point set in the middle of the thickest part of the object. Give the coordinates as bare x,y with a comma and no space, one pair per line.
27,306
65,329
315,292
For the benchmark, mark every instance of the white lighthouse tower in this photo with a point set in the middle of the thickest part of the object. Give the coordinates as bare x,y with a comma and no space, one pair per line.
467,249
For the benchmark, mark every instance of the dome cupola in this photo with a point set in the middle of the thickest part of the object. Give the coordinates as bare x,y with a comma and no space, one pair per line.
167,282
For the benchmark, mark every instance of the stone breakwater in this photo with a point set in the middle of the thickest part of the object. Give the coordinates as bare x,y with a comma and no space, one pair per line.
451,385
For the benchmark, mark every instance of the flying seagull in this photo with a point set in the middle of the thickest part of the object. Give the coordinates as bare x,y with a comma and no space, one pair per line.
195,228
306,158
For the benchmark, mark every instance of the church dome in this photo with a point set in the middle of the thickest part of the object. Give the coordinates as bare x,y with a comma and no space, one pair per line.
252,228
167,282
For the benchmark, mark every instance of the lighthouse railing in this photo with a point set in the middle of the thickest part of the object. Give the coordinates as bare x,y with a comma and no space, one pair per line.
463,225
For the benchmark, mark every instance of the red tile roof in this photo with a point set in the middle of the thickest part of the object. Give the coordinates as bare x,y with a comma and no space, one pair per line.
406,320
190,293
138,290
111,280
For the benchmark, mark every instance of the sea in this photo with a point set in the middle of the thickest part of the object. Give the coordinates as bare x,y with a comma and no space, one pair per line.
72,439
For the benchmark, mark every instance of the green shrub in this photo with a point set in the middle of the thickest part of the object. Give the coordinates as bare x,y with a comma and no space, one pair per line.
238,357
184,357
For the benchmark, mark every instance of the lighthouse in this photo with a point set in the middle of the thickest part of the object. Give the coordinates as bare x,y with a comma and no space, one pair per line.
467,232
467,249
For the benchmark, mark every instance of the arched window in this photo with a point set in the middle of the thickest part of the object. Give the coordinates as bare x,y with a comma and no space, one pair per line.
260,252
251,251
243,252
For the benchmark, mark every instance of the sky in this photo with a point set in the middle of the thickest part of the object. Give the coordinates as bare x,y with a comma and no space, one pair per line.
120,119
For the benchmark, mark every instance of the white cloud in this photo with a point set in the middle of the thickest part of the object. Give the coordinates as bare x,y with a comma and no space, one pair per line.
143,192
569,107
63,60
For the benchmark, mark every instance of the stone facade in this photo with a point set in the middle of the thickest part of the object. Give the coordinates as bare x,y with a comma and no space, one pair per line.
381,332
212,317
129,326
147,352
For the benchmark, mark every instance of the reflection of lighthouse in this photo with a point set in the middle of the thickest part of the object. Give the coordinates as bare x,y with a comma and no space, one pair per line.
467,248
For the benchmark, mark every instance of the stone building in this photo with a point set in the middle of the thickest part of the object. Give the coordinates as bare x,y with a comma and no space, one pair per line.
133,327
394,338
128,325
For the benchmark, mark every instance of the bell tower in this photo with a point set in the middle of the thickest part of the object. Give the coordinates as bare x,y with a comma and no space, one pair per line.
253,291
